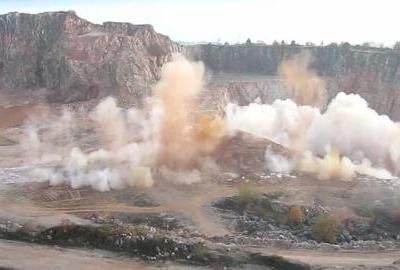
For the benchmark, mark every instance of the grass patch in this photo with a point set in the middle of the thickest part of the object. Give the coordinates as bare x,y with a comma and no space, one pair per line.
248,194
249,200
384,216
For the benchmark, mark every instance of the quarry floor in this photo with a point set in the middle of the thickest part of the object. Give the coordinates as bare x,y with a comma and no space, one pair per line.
36,206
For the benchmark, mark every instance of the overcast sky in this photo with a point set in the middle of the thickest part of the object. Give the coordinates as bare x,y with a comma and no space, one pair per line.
355,21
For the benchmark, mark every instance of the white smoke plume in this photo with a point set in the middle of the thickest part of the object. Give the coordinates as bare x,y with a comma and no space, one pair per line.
283,121
357,131
276,162
125,145
119,162
348,138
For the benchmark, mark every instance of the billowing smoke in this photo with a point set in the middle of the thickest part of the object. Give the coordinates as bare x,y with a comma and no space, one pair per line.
277,162
45,127
119,162
304,86
170,139
357,131
111,122
348,138
186,134
125,146
283,121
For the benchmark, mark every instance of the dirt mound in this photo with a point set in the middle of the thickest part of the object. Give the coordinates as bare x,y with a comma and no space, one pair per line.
244,153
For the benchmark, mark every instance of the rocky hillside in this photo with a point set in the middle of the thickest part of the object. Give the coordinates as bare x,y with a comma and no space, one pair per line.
77,60
371,72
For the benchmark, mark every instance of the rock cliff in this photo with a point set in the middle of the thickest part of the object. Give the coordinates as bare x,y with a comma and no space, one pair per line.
372,72
77,60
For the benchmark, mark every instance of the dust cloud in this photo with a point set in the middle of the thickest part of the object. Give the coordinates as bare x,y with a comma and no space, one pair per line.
348,138
186,134
170,139
168,136
303,84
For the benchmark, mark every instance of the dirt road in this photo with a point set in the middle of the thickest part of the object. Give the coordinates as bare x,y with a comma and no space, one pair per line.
24,256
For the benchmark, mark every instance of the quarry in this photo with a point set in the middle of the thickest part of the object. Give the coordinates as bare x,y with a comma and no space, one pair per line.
123,149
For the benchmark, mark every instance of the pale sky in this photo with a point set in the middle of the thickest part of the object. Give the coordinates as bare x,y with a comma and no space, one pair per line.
355,21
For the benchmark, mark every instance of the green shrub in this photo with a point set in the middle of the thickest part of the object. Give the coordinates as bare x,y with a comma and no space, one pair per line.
136,229
325,229
248,194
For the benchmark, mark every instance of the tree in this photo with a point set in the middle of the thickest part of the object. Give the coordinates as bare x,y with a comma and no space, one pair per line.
345,45
248,42
366,44
396,46
293,43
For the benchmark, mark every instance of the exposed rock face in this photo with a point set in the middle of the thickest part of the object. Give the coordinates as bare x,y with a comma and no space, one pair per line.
242,92
77,60
373,73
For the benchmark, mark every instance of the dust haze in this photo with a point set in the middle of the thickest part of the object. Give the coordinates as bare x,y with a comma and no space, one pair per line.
169,133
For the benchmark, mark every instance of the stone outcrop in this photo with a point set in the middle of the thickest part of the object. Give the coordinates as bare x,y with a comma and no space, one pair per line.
372,72
77,60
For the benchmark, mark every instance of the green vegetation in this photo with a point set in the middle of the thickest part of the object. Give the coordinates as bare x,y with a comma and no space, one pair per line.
248,194
130,241
112,229
252,201
204,255
325,229
382,214
365,208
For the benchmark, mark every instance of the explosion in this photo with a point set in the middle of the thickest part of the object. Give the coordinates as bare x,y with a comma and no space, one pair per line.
304,86
347,138
172,137
169,134
332,165
186,134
